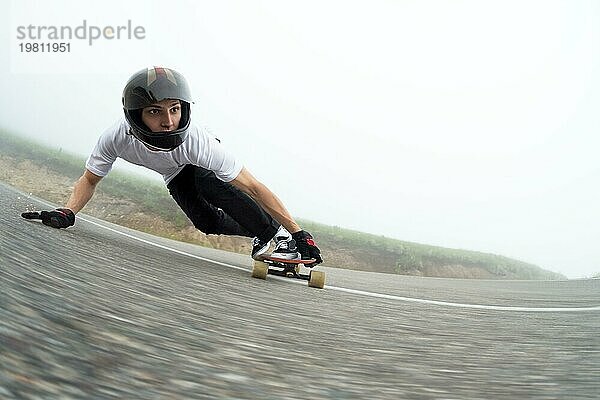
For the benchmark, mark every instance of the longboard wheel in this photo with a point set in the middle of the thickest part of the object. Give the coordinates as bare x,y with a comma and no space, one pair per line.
317,279
260,270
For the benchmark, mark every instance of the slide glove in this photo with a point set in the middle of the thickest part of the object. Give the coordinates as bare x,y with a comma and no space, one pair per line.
307,247
59,218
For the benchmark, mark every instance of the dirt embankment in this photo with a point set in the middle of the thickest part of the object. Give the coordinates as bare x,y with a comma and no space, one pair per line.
56,188
46,184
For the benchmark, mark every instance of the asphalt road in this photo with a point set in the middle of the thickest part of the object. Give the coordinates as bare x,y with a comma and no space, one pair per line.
99,311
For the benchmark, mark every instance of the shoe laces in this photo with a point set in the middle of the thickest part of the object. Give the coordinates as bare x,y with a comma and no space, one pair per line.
285,244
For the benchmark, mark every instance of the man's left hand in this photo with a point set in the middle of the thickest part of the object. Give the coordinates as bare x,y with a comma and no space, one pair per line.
59,218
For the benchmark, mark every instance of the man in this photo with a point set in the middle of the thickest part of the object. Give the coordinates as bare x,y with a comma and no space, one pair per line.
216,192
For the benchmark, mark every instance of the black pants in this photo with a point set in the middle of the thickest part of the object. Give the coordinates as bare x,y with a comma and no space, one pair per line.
218,207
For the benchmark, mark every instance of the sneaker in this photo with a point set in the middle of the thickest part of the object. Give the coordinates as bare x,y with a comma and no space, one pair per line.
281,234
285,248
259,247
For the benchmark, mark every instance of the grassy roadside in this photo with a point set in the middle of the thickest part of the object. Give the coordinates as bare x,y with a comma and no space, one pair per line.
145,205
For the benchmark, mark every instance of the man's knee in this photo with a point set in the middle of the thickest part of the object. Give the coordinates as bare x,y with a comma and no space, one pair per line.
206,225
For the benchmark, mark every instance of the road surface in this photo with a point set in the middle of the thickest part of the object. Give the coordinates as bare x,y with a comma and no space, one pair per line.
100,311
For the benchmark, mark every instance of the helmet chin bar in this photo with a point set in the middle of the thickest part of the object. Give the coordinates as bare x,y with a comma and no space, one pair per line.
152,148
180,134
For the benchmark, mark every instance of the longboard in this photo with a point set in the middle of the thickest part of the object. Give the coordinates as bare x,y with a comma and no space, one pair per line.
289,268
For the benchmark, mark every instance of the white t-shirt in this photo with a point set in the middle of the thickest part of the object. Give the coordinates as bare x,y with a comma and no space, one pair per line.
200,148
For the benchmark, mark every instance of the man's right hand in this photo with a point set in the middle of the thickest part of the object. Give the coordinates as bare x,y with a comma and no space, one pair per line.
59,218
307,247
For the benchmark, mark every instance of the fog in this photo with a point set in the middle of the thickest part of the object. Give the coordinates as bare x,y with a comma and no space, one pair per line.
462,124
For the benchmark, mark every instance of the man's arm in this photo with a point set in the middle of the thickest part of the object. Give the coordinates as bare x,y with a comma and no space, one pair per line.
65,217
266,199
270,203
83,191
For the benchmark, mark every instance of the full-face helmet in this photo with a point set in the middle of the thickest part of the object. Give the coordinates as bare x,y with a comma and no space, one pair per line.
147,87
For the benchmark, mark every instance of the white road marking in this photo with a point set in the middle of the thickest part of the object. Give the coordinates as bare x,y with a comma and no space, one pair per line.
361,292
160,246
352,291
463,305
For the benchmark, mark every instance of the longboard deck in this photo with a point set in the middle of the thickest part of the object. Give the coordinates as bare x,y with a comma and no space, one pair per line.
267,257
